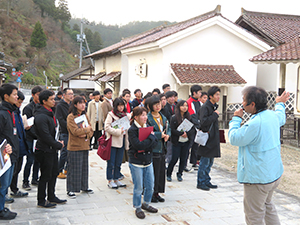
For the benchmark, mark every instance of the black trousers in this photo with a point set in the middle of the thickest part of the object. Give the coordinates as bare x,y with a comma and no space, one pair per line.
14,182
97,134
194,153
49,171
159,166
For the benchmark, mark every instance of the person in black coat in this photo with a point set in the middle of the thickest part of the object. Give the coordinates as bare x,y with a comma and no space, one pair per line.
140,163
61,114
29,111
180,140
209,123
8,131
46,150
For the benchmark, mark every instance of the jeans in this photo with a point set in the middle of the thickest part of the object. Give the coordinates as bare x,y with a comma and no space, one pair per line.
179,151
203,170
114,164
63,153
29,162
49,171
143,180
5,181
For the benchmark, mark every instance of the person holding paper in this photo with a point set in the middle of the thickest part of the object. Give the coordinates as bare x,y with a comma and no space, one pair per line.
162,132
140,163
118,144
180,139
46,150
209,123
78,150
8,131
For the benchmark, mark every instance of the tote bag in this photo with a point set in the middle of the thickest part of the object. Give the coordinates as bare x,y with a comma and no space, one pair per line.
104,147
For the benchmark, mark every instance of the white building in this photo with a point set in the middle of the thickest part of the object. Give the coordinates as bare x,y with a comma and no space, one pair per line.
206,50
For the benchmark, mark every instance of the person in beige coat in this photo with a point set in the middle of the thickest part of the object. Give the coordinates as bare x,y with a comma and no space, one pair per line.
118,145
95,114
78,146
107,104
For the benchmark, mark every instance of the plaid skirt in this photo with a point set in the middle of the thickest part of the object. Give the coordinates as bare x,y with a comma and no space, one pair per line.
78,171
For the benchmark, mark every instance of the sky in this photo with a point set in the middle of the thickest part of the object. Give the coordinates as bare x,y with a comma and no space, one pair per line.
121,12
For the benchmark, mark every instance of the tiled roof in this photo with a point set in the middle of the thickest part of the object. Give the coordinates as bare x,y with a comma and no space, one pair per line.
75,73
206,74
277,28
155,34
287,51
110,76
166,31
97,76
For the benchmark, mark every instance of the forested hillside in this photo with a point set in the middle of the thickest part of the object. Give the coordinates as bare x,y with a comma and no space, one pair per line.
39,35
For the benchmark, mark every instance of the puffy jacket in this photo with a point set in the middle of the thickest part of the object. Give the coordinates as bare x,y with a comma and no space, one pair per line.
45,126
259,159
7,129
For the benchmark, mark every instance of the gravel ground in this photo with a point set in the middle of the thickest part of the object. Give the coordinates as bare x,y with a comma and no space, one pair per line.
290,182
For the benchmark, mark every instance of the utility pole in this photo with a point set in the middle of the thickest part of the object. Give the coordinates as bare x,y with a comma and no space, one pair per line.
80,38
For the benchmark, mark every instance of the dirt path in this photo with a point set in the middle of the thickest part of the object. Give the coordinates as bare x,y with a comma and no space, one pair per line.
290,182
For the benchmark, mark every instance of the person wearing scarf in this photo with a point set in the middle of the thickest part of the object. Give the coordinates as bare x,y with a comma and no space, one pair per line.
118,144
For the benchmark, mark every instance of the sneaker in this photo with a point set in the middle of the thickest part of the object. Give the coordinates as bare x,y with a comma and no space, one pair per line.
26,186
6,214
71,195
186,169
120,184
112,185
195,167
19,194
169,178
8,199
88,191
61,176
56,200
35,182
47,204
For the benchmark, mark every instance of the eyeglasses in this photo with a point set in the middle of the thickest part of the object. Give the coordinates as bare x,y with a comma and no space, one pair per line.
70,94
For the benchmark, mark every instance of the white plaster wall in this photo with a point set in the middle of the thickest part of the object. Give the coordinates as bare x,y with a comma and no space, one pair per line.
291,77
215,46
268,76
81,84
155,77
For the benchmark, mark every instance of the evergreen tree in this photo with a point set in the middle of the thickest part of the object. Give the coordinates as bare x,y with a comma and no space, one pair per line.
97,42
38,37
46,6
76,27
62,13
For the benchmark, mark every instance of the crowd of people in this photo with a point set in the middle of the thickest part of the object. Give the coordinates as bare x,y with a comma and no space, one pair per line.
56,146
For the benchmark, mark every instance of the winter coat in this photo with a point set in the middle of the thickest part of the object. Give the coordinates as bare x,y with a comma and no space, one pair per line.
7,128
140,152
29,111
45,126
23,147
61,114
106,108
160,147
175,134
92,112
209,117
76,143
117,135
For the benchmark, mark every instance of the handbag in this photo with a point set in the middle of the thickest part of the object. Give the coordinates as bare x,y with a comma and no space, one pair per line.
104,147
201,137
222,136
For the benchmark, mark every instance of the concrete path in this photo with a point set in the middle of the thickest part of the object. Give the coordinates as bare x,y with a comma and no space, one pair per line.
185,204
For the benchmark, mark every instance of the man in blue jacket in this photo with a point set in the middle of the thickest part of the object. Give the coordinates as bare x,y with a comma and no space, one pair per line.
259,161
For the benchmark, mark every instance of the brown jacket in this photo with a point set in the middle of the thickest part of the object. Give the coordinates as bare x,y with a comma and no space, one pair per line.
117,136
106,107
92,113
76,143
